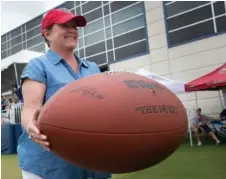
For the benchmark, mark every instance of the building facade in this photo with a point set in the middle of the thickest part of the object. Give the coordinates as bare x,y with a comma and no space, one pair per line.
178,40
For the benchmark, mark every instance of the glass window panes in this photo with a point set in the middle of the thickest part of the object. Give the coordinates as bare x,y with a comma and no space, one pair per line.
127,13
96,37
16,40
192,32
94,49
128,25
108,32
219,8
78,10
93,15
16,49
129,37
3,46
185,26
24,45
68,5
98,59
35,41
110,57
77,3
82,53
107,21
24,37
131,50
106,9
221,25
80,31
117,5
38,48
190,17
94,26
33,23
3,38
3,54
90,46
81,43
181,6
16,32
33,32
109,44
90,6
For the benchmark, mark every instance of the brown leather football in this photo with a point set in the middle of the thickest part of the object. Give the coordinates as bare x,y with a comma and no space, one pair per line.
114,122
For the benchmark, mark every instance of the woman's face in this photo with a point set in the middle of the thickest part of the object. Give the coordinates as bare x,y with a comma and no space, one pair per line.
63,35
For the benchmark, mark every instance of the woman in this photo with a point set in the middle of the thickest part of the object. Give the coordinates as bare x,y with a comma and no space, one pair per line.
41,78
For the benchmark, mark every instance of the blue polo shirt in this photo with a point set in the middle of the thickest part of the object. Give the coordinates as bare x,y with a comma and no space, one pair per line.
53,71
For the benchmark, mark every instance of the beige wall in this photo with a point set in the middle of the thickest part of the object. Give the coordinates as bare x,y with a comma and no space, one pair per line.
183,63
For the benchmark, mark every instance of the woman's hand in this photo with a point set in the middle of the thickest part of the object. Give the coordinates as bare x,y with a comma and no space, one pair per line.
34,132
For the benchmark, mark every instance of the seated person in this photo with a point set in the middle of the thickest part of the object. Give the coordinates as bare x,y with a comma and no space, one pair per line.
200,122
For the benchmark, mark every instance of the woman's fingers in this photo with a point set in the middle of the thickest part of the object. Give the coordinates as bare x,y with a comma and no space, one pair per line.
38,136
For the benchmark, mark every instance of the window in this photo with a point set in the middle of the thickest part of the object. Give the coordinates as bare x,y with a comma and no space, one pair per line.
181,6
98,59
82,53
131,50
38,48
116,30
93,15
33,23
117,5
35,40
16,32
110,57
3,54
90,6
192,20
221,25
205,28
219,8
3,38
94,49
16,49
127,13
94,26
68,5
94,38
35,31
3,46
78,10
128,25
16,40
106,10
129,37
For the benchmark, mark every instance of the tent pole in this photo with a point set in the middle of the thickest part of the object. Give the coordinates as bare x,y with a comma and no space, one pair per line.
222,105
17,82
196,100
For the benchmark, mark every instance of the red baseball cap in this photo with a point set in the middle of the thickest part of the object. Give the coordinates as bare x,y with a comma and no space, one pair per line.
58,16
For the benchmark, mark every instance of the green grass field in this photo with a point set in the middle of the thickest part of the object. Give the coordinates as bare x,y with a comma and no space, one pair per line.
205,162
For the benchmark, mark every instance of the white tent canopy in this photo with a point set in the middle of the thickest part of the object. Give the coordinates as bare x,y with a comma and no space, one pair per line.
174,86
23,56
12,67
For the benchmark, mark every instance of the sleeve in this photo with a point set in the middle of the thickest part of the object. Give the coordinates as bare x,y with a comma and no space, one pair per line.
98,69
35,71
94,67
